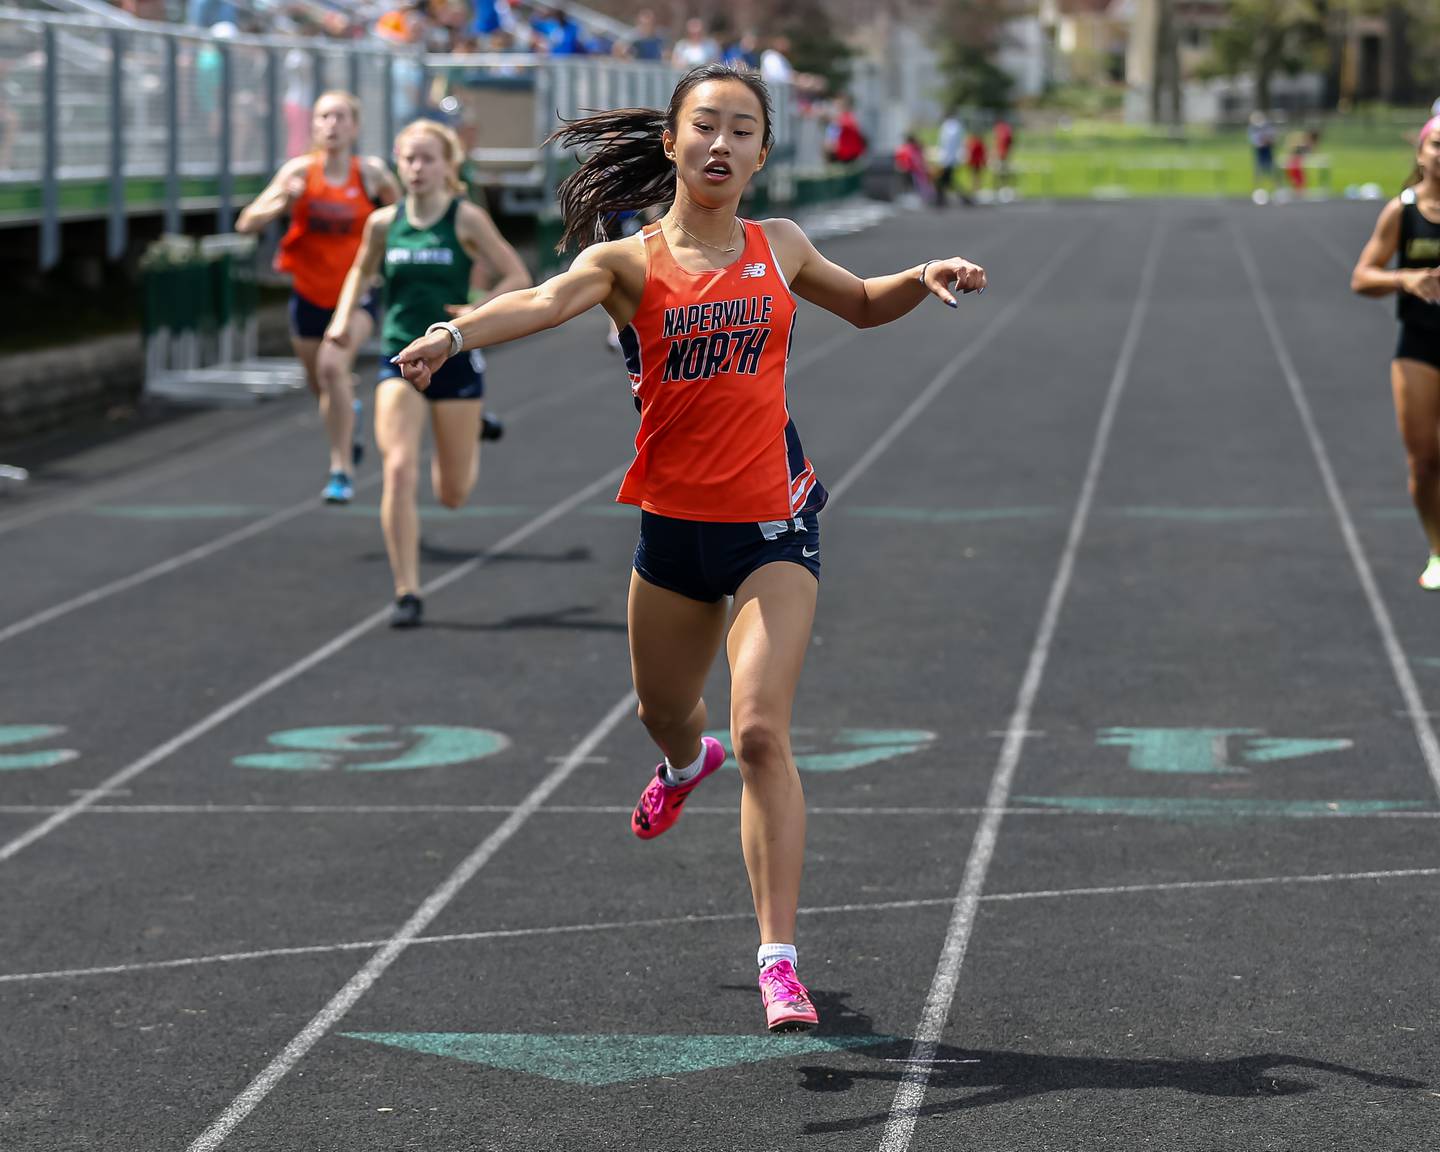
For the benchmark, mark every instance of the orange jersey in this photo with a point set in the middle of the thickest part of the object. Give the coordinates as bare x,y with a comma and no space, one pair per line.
326,225
706,354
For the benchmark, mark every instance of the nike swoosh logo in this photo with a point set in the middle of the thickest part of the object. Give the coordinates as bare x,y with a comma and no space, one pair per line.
809,555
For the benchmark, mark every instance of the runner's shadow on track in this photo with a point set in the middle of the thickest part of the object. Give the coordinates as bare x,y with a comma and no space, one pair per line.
1005,1077
560,619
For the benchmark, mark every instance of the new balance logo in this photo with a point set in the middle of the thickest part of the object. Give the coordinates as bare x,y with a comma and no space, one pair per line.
750,270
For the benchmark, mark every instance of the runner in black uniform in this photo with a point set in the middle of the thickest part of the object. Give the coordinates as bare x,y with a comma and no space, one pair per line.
1410,226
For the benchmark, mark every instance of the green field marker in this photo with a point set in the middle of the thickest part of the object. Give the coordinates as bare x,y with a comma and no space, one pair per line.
1205,751
595,1061
1181,750
179,511
1264,750
858,747
1211,515
346,747
13,734
1202,808
951,515
619,511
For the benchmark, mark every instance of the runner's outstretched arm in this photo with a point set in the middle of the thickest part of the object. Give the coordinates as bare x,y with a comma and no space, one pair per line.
879,299
588,282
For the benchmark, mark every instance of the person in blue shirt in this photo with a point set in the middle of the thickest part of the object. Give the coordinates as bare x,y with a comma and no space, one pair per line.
558,33
648,44
744,53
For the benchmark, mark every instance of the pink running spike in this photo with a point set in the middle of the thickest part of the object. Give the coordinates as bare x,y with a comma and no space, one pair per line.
660,803
787,1001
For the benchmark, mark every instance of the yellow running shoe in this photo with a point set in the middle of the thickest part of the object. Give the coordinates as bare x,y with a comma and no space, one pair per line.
1430,578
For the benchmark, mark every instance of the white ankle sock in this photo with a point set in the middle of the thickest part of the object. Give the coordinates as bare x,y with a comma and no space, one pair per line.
773,953
677,776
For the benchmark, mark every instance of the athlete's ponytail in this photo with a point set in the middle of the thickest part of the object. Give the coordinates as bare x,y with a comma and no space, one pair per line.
625,169
1417,173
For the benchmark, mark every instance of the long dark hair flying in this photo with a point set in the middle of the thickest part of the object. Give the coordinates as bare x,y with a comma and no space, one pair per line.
624,168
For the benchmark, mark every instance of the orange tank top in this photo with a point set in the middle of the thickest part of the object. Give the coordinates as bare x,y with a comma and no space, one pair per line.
326,225
706,354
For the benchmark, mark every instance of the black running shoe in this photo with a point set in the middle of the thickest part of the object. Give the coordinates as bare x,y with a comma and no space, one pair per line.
407,612
490,427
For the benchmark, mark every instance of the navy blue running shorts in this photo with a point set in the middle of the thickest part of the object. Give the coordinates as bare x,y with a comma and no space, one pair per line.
1422,344
707,562
309,321
459,378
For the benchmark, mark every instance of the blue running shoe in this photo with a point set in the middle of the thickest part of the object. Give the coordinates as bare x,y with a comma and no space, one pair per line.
339,490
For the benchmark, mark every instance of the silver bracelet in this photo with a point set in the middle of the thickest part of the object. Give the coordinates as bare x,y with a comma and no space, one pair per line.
923,269
457,339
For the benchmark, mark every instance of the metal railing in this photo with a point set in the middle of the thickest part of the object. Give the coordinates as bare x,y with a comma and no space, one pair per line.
100,121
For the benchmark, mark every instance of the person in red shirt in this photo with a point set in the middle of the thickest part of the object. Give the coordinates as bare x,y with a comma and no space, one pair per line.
1004,139
910,159
705,303
976,160
844,142
328,194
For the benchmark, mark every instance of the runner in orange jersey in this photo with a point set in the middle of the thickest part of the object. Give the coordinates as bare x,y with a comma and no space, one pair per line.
328,194
729,503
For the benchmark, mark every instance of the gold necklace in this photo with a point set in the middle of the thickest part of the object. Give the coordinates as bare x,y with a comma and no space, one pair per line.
704,243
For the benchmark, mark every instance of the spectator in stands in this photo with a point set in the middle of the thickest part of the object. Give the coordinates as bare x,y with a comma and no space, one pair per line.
648,43
745,52
696,48
844,142
952,139
299,93
208,13
775,66
557,34
488,18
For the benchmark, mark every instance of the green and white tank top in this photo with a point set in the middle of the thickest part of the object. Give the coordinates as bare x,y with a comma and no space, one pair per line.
425,269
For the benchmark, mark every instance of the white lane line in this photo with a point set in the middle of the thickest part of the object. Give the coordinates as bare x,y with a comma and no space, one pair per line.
247,1101
285,675
910,1093
1202,885
1399,663
221,543
198,456
709,918
978,344
375,967
458,938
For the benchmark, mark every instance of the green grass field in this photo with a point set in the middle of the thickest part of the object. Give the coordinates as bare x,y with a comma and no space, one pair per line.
1092,159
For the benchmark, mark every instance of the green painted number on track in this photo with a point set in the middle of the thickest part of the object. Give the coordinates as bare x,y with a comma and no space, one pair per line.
346,747
12,734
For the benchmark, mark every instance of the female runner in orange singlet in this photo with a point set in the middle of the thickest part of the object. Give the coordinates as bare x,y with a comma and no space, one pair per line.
329,194
729,502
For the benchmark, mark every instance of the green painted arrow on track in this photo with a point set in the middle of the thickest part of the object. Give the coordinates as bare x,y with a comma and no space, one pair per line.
851,747
612,1059
1207,808
13,734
